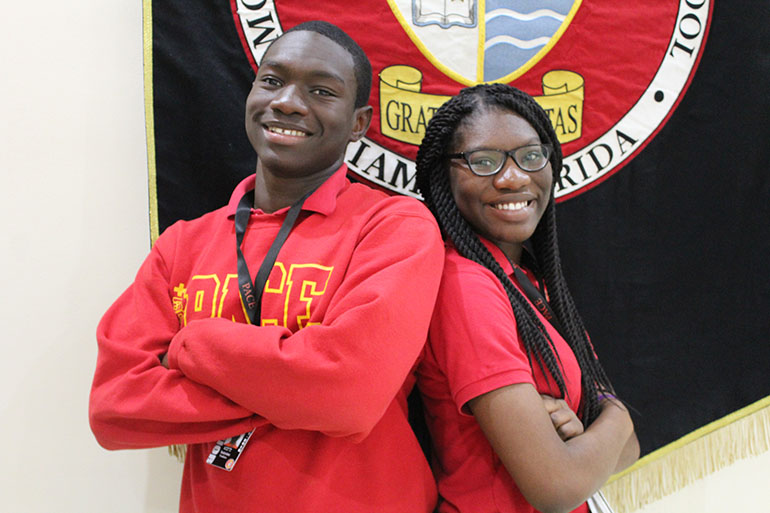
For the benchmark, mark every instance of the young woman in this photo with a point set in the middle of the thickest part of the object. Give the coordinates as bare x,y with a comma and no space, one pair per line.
522,416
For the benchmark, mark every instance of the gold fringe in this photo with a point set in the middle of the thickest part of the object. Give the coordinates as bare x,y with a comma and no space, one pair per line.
740,435
178,451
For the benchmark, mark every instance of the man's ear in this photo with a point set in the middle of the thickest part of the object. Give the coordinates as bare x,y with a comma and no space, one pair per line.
361,122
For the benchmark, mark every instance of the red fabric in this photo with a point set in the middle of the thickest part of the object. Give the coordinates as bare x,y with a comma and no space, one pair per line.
324,380
474,348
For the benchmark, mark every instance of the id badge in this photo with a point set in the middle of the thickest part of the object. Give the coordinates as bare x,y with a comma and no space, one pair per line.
226,452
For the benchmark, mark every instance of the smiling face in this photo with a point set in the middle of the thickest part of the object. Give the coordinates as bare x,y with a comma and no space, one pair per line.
506,207
300,113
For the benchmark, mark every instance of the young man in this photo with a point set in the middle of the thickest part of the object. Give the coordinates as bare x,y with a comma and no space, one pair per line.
317,379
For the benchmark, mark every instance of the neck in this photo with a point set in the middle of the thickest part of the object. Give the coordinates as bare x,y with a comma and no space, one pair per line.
511,251
273,192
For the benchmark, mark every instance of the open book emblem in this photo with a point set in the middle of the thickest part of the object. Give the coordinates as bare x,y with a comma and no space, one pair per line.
444,13
509,36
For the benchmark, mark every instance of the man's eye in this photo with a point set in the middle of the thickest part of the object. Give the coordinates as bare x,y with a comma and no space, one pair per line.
271,81
322,92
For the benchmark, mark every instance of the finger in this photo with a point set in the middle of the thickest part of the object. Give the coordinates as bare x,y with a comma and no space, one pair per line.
570,430
551,405
559,418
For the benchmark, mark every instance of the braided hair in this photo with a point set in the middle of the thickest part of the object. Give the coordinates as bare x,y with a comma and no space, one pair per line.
433,183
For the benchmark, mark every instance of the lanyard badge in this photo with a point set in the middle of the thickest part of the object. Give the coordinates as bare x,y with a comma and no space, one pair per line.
226,452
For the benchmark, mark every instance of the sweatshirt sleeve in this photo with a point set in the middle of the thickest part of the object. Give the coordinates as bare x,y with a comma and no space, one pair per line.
135,402
340,376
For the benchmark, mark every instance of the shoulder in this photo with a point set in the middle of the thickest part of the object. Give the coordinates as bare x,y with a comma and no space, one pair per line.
464,276
469,290
375,211
471,299
372,199
191,232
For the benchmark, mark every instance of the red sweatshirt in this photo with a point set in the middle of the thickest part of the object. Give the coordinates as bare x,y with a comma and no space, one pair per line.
324,379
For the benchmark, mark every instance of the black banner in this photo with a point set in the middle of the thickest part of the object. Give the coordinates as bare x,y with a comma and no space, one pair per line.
666,259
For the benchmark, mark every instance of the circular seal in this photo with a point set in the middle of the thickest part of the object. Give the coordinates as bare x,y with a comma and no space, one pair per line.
609,75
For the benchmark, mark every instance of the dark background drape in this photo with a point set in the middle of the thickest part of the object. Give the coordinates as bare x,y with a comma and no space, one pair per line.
666,259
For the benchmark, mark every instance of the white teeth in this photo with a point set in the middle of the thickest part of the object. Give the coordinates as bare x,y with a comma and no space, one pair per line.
286,131
511,206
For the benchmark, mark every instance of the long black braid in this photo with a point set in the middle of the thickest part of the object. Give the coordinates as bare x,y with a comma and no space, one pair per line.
433,183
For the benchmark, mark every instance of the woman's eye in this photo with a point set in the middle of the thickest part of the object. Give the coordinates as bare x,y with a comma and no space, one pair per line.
483,162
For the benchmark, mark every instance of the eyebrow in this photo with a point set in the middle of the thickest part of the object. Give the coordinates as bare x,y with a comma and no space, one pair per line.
278,66
531,142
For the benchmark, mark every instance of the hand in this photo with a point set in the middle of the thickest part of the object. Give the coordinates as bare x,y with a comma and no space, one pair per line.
564,420
610,400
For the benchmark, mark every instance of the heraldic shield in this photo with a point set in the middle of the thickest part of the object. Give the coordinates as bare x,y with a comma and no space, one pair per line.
509,36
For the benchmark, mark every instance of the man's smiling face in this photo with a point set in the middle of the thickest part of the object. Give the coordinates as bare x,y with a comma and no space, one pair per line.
300,113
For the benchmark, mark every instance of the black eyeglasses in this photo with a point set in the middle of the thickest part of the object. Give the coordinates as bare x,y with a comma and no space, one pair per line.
530,158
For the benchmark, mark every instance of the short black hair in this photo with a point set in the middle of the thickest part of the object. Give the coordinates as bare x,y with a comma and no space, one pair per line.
362,68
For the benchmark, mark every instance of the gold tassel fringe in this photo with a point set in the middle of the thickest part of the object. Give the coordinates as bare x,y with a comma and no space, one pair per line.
178,451
740,435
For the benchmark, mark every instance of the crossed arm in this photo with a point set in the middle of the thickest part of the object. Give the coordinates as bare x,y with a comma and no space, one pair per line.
222,378
555,463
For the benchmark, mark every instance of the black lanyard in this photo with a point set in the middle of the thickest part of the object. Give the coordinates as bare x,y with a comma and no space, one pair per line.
251,294
536,297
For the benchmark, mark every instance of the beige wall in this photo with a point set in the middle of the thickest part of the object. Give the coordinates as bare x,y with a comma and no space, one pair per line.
74,230
75,227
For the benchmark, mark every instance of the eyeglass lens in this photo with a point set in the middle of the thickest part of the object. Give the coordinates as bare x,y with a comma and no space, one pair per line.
487,162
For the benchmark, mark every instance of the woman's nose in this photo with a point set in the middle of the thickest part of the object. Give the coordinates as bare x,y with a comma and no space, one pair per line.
511,176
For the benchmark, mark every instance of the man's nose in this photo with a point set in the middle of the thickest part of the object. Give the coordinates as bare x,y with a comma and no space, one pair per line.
289,100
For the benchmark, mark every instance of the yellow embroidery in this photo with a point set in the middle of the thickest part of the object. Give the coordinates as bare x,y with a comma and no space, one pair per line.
297,288
405,110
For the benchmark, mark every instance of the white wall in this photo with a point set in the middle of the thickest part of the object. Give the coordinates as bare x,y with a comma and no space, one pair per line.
74,214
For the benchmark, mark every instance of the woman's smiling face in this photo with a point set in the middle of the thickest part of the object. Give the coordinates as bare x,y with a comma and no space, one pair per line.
507,206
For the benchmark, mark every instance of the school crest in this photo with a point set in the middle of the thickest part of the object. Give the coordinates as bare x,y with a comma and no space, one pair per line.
609,75
495,41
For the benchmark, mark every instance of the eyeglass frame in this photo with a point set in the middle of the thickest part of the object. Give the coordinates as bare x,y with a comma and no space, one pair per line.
509,153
